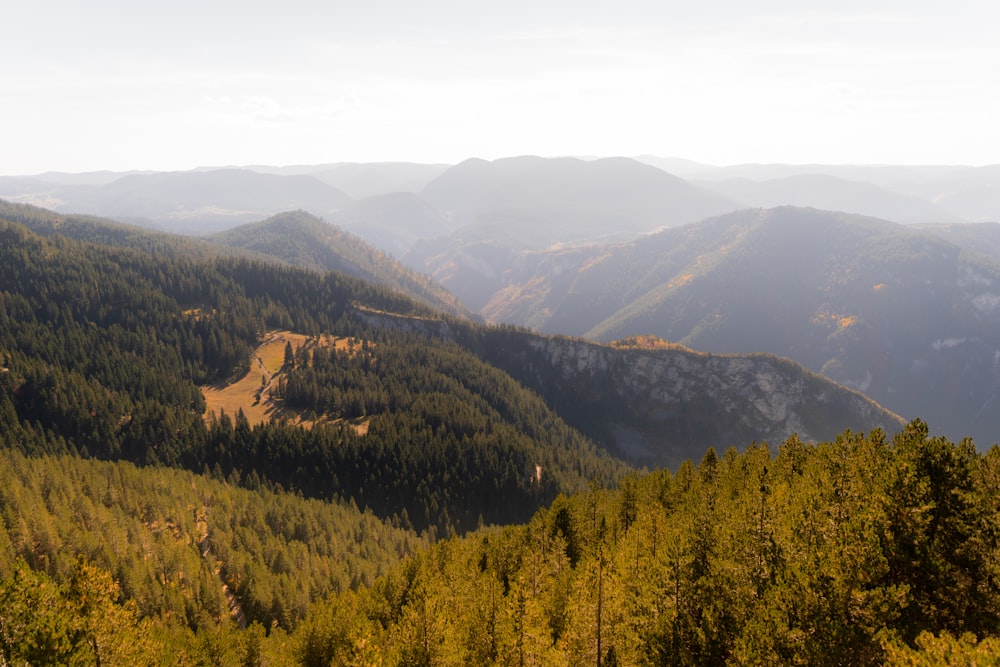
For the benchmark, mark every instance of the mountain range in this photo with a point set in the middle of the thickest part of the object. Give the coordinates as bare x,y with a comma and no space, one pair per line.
609,198
193,202
970,193
605,249
896,312
831,193
243,447
599,412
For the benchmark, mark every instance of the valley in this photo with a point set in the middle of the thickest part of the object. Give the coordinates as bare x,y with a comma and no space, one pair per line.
593,413
521,334
868,303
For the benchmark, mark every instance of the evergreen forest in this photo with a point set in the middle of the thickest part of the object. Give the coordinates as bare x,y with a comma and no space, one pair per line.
424,506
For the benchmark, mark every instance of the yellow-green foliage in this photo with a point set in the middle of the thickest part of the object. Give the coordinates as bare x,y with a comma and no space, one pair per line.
945,651
846,552
188,549
862,551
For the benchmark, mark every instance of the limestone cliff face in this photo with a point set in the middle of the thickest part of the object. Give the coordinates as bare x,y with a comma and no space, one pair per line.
662,406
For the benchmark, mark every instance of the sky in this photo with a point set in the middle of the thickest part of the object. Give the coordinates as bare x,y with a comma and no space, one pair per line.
127,85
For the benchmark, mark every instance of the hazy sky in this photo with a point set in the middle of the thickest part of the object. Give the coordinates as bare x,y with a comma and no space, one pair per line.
116,85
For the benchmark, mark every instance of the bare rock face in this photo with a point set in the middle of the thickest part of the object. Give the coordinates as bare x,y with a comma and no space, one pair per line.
659,407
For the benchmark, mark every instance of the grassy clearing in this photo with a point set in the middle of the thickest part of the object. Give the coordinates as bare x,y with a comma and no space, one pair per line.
252,392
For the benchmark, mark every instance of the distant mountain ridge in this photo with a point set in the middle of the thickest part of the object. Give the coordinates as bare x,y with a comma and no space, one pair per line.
514,202
193,202
393,222
582,199
364,179
906,317
971,194
499,209
831,193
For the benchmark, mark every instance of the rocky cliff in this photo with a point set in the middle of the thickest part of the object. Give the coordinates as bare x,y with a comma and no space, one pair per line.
661,406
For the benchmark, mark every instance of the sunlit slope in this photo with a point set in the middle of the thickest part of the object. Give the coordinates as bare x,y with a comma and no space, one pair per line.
910,319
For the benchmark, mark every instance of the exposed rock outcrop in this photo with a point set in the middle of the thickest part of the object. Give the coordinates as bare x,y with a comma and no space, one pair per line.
659,407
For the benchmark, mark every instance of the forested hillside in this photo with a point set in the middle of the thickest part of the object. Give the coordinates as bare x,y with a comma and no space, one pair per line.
194,560
105,348
977,237
295,238
281,544
867,550
304,240
209,311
